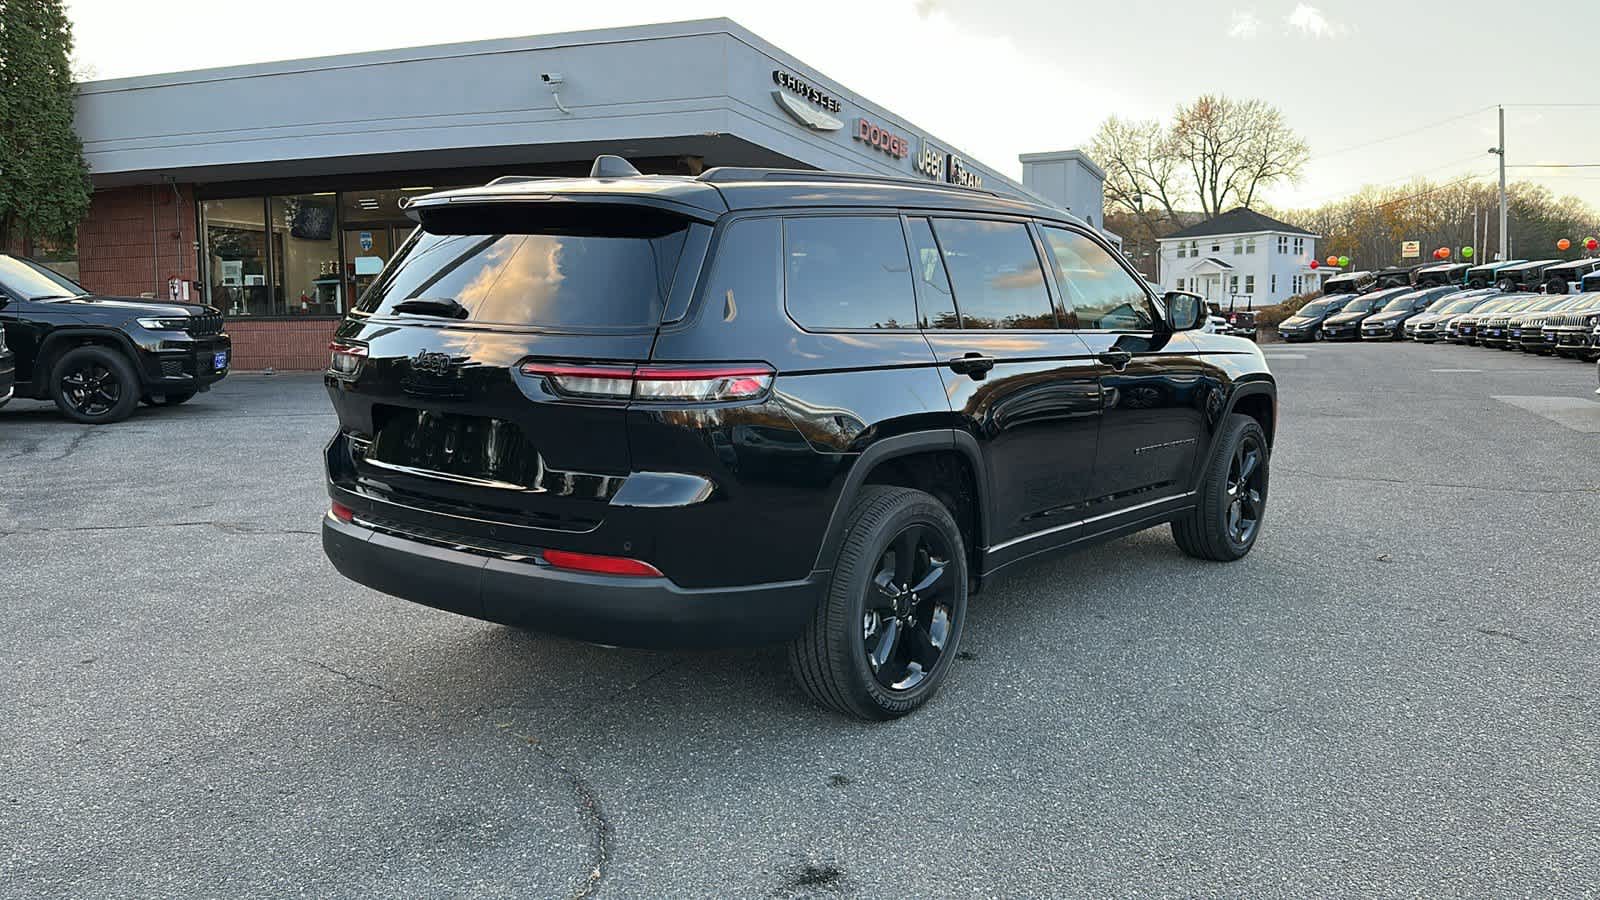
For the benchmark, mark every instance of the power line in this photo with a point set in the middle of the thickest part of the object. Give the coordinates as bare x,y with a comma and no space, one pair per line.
1394,137
1556,166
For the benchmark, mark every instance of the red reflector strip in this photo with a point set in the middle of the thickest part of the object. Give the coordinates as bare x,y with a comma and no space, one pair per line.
341,512
701,373
347,349
559,371
603,565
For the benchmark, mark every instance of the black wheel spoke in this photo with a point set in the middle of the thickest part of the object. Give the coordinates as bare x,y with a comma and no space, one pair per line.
882,650
905,554
932,584
1249,460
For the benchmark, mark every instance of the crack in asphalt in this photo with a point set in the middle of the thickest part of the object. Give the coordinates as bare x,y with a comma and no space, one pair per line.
588,799
1438,484
353,679
76,442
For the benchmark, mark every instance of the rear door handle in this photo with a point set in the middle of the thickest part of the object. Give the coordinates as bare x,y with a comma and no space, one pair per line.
1116,359
975,364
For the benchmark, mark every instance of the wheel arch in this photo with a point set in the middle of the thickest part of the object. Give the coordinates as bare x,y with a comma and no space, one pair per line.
922,460
62,340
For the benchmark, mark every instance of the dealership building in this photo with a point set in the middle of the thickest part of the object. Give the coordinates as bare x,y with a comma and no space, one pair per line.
275,191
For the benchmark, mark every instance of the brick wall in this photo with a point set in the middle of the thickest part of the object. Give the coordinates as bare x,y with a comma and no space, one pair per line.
136,238
287,346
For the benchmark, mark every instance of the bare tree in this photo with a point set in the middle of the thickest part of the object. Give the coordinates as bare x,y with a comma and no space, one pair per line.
1142,172
1234,148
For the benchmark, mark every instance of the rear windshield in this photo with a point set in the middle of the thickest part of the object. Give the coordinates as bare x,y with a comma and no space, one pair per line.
576,267
1335,286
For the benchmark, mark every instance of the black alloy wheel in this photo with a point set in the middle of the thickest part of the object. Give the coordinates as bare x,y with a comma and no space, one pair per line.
884,636
907,616
1232,501
91,389
94,384
1246,487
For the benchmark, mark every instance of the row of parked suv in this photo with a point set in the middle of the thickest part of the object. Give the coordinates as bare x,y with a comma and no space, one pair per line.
1563,319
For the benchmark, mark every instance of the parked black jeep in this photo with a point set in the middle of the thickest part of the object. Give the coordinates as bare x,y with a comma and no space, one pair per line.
763,405
1567,277
97,356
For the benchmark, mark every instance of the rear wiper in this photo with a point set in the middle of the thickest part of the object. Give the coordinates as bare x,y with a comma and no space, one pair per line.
445,307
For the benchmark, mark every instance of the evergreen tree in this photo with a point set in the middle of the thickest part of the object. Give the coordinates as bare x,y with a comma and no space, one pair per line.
44,182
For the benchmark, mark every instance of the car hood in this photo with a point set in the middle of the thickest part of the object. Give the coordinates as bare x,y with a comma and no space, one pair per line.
1296,321
127,307
1385,317
1345,318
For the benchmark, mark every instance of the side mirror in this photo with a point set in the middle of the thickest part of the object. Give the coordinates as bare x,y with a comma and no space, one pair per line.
1185,311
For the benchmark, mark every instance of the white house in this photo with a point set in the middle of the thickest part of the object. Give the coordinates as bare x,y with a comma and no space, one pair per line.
1241,255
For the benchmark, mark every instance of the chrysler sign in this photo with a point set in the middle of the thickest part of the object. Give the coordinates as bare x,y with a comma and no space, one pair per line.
805,103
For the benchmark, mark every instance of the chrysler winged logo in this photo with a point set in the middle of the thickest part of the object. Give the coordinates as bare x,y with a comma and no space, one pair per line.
428,363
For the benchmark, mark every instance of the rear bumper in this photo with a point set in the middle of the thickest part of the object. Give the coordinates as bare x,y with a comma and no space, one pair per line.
630,612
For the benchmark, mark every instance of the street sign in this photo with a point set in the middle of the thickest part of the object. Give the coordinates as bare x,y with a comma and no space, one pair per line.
1410,249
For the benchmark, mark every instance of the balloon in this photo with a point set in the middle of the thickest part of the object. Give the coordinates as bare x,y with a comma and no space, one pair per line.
1333,260
1466,252
1563,244
1590,244
1314,264
1344,260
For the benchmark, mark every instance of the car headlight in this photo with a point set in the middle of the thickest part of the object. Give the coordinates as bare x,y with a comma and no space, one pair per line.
165,324
1593,320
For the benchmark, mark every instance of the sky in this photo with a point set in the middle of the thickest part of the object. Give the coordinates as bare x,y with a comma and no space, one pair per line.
1383,91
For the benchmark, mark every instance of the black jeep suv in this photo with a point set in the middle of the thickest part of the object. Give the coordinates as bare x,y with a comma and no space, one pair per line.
96,356
762,405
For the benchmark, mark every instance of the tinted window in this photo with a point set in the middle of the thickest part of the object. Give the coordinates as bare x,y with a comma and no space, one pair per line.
936,303
995,272
563,269
848,272
35,282
1102,292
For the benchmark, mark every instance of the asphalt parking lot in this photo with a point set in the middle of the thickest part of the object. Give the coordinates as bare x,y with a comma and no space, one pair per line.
1397,692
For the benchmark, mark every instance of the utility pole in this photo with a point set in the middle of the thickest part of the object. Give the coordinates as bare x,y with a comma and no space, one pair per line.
1500,151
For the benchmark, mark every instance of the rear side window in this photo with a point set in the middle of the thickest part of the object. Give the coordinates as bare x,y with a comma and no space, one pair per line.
571,268
936,304
848,272
995,272
1101,292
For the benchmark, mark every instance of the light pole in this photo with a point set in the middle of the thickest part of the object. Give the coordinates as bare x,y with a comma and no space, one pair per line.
1500,151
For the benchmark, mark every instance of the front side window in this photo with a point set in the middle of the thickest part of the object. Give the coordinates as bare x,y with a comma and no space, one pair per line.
995,273
1103,294
848,272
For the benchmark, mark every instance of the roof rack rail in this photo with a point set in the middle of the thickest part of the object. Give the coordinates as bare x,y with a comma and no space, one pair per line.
725,174
515,179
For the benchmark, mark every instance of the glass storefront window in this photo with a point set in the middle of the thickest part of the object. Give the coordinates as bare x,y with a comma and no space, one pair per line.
305,256
308,254
236,256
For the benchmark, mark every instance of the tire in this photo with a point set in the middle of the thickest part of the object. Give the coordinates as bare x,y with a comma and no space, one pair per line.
1319,336
1210,531
830,659
94,385
175,398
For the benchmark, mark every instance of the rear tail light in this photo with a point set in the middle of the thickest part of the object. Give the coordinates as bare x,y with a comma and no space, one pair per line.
341,512
345,358
655,383
601,565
